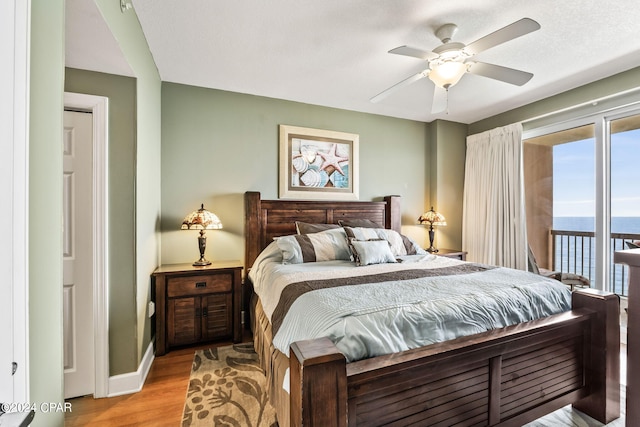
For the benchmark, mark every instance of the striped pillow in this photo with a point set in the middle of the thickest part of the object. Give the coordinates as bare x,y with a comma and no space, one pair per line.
307,228
324,246
400,244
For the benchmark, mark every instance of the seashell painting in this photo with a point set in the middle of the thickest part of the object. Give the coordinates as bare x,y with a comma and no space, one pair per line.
343,150
300,164
309,153
339,180
314,178
318,164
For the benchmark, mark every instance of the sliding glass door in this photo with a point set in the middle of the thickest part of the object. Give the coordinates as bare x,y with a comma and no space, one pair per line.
583,196
625,192
560,175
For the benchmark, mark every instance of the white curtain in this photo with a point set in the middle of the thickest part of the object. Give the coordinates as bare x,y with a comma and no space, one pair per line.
493,219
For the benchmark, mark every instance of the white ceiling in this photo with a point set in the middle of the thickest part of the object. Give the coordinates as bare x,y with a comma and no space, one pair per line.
334,52
89,44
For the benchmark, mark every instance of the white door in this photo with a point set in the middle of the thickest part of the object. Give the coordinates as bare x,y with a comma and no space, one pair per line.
79,372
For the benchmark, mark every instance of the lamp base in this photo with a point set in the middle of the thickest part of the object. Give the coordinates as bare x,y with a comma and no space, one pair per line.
201,262
202,245
432,234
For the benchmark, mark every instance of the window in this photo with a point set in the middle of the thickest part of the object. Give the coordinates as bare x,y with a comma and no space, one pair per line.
625,193
582,202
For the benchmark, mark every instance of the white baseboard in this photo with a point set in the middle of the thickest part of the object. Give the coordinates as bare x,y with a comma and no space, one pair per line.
133,381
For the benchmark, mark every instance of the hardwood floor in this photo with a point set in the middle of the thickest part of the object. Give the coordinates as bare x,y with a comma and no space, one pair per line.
159,403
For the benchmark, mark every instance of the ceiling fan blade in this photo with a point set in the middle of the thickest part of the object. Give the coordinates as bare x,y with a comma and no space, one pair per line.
414,52
510,32
399,85
498,72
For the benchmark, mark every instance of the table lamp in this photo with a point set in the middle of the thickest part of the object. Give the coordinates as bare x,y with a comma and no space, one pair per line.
202,220
432,218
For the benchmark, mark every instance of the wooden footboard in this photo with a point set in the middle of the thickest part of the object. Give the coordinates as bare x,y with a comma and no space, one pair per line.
504,377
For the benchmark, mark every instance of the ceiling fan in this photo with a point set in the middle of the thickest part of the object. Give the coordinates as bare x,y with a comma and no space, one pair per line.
448,62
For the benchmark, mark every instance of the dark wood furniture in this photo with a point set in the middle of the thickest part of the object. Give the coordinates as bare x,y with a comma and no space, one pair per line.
631,258
504,377
16,419
196,304
453,253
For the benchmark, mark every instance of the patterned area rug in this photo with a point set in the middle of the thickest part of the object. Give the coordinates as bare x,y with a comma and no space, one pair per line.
227,389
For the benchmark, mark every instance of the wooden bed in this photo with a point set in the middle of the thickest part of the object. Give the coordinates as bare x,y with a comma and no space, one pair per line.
504,377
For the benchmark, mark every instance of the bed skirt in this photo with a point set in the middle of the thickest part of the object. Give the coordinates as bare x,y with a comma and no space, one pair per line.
274,363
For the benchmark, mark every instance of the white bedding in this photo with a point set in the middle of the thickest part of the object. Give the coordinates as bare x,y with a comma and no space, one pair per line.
371,319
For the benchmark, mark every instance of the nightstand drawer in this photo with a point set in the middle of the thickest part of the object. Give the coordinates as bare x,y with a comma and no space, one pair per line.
198,285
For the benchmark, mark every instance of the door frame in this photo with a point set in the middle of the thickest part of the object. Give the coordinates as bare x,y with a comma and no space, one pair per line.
14,251
99,107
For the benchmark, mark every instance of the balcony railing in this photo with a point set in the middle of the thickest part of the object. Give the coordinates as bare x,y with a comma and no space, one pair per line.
574,252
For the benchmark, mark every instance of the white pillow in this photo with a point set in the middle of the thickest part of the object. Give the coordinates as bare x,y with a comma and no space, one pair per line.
369,252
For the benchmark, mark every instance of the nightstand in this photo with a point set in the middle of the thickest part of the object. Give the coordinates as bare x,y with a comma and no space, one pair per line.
196,304
452,253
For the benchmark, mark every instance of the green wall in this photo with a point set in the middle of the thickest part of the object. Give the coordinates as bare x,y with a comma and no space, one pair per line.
45,208
128,33
446,168
216,145
121,92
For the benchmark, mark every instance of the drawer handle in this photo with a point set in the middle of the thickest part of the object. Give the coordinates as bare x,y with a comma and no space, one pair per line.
205,312
201,284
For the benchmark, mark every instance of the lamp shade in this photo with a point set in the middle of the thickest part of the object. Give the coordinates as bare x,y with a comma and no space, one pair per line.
432,217
201,219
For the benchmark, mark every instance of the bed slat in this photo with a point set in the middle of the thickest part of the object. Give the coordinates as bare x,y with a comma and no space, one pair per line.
441,397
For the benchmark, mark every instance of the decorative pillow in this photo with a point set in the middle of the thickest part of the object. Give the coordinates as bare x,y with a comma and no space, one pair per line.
308,228
366,223
324,246
371,252
400,244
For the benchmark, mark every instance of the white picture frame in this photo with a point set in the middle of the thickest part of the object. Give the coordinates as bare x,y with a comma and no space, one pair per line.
318,164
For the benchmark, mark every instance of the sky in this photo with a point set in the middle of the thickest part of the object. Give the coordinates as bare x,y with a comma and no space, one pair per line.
574,176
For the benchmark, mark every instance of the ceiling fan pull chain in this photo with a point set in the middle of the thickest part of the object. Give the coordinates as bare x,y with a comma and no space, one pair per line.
447,109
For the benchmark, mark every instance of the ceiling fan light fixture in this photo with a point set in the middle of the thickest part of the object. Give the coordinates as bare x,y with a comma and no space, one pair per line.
448,62
447,73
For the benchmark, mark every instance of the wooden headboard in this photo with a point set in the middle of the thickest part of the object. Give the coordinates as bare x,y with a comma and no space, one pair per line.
266,219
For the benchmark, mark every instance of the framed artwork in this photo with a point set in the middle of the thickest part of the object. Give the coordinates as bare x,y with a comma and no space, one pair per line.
318,164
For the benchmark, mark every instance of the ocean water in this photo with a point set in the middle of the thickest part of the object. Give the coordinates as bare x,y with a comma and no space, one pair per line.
578,255
620,224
